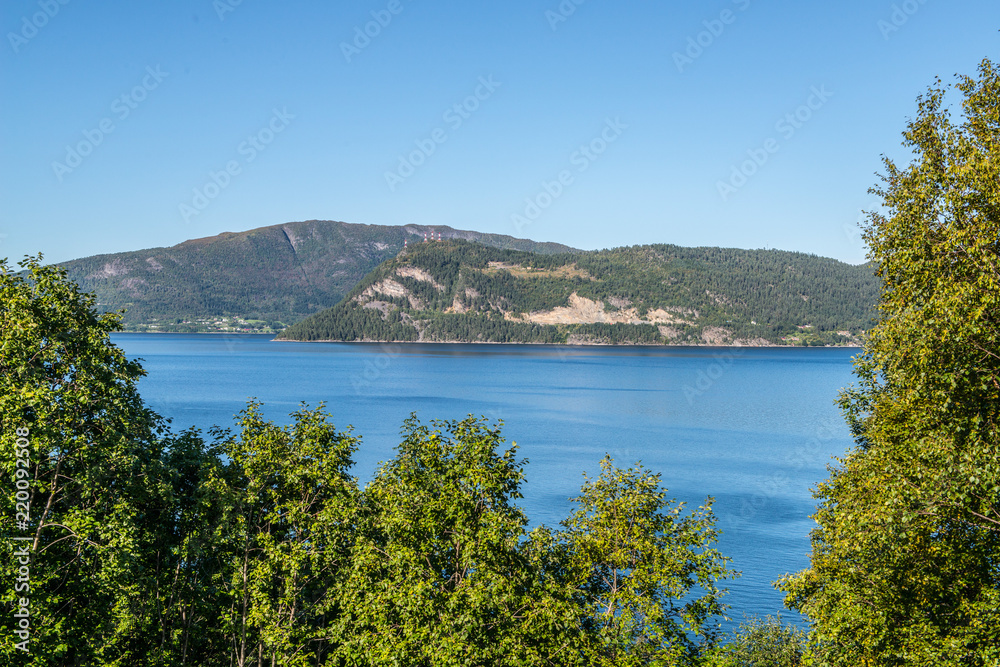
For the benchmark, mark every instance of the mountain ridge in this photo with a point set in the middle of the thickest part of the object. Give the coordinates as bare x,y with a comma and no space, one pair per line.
260,279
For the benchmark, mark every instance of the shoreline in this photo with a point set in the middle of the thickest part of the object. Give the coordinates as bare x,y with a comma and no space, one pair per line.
481,342
478,342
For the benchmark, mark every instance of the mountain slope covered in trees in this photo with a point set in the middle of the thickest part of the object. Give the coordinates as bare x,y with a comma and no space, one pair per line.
272,276
654,294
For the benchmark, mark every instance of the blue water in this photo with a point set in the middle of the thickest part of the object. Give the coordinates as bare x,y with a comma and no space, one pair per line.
753,427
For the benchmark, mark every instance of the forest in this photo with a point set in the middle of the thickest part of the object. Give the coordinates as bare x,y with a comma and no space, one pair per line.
472,293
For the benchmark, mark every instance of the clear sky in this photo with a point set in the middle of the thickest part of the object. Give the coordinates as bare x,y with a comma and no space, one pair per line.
593,123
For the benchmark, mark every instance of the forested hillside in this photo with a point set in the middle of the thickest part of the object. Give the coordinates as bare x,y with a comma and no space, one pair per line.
262,279
655,294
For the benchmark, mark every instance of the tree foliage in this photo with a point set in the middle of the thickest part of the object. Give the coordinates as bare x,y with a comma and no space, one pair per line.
906,560
438,577
92,467
446,573
763,642
288,538
651,571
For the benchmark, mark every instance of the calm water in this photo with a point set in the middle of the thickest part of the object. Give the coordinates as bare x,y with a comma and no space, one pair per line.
755,428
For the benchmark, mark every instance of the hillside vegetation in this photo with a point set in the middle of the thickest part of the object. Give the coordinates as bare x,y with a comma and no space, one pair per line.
655,294
262,279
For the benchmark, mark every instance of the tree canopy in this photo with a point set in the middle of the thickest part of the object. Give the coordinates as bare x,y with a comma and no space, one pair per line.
89,464
906,560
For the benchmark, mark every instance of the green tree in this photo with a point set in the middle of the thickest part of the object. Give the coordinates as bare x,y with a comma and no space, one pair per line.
91,467
186,570
290,506
438,573
649,593
906,560
763,643
444,572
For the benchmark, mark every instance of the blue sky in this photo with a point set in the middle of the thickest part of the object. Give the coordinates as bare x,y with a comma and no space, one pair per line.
591,123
